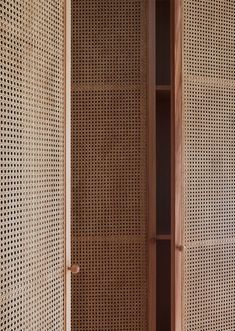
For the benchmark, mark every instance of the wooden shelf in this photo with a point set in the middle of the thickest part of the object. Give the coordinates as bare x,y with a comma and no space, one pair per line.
163,91
163,237
163,88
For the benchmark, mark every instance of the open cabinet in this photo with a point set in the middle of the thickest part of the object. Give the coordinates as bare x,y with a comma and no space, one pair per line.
121,164
177,142
153,163
163,94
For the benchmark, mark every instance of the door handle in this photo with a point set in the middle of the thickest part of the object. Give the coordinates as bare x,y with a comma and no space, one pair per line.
180,248
74,268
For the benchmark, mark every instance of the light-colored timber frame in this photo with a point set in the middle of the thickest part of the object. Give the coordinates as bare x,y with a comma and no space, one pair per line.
67,130
152,164
176,168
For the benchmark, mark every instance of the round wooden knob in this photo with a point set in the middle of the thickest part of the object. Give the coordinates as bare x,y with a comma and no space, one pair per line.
180,248
74,269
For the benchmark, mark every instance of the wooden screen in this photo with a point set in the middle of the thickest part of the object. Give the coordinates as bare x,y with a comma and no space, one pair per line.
209,165
32,165
109,164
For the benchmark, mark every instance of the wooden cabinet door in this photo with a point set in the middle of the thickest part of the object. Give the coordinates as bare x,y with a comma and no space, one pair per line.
205,133
110,164
32,165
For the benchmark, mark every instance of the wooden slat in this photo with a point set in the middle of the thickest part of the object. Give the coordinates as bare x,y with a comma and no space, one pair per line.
177,163
67,164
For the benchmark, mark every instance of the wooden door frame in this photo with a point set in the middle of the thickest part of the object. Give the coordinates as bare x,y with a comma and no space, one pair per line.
176,168
152,278
67,130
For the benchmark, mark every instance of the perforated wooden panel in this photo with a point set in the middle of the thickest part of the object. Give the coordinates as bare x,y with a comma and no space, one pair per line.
209,161
32,165
109,113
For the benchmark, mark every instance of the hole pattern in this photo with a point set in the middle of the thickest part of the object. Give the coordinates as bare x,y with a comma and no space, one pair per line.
102,52
209,155
109,165
32,165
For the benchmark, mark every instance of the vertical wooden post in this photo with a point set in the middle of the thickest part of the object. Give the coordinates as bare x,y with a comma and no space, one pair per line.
177,173
67,164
